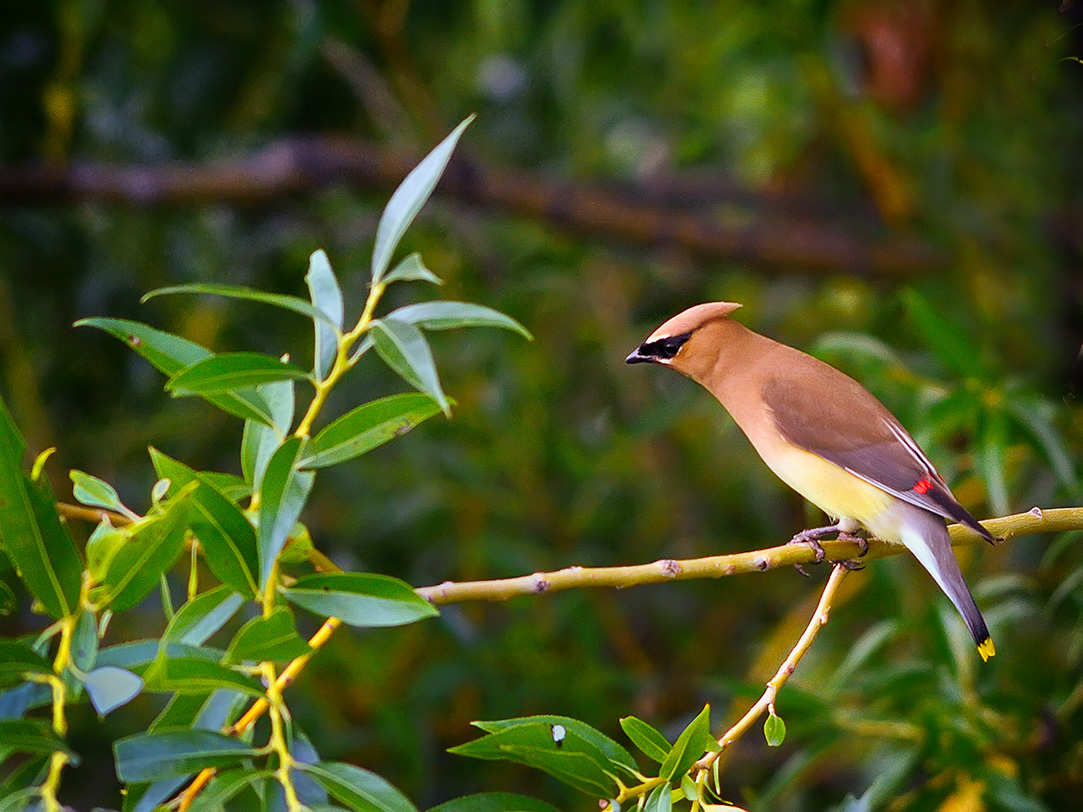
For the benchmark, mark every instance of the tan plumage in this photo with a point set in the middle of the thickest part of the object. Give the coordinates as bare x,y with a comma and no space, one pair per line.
826,437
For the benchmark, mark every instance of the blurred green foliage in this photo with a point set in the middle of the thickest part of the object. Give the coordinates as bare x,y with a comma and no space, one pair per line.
956,123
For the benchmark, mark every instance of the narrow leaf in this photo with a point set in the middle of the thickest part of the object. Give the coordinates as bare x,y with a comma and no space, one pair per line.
227,537
948,341
232,487
133,570
370,425
653,744
226,786
283,494
174,753
412,269
408,199
405,349
230,371
31,736
166,352
170,354
193,675
17,662
89,490
448,315
660,799
268,638
198,619
37,542
110,687
570,758
360,790
294,303
261,440
495,802
360,599
327,298
693,742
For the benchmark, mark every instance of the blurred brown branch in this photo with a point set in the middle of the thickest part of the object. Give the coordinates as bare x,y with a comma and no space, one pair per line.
640,216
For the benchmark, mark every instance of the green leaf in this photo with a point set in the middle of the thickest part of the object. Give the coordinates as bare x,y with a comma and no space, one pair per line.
17,661
175,753
194,675
370,425
294,303
448,315
31,736
360,790
948,340
405,349
550,747
84,644
994,446
227,537
693,742
272,638
360,599
774,730
495,802
230,371
327,298
408,199
89,490
612,751
170,354
412,269
260,441
660,799
654,745
166,352
179,475
202,616
1036,416
31,533
7,599
110,687
283,494
225,786
151,549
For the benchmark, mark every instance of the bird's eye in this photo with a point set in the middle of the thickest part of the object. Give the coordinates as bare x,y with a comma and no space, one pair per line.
669,346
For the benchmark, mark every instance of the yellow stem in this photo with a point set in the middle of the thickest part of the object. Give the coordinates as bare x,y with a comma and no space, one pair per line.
767,700
275,707
1054,520
59,759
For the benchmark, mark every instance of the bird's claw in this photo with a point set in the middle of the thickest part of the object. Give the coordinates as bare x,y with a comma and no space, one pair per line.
861,542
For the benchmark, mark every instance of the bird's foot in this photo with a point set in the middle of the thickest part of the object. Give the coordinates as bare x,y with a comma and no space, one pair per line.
812,538
861,542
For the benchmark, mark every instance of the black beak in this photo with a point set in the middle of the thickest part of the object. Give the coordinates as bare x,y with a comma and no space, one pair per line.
637,356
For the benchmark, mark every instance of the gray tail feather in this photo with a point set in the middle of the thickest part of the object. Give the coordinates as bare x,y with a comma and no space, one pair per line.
927,538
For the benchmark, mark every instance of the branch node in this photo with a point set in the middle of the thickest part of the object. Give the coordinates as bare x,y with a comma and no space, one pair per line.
541,583
670,567
761,562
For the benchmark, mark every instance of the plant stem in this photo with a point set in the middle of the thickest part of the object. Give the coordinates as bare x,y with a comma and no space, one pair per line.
276,708
767,700
59,758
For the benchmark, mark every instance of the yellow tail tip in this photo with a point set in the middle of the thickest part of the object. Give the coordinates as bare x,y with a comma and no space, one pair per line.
985,649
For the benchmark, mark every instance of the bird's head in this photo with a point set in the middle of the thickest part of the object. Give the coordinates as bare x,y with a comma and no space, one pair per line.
688,341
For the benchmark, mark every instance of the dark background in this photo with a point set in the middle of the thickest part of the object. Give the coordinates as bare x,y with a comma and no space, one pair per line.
893,186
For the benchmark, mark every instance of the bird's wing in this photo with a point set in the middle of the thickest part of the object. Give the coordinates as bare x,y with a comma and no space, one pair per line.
845,425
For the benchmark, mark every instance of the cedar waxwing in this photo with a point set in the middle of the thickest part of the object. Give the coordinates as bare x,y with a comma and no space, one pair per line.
826,437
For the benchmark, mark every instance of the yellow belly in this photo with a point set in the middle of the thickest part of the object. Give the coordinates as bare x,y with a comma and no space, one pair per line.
836,491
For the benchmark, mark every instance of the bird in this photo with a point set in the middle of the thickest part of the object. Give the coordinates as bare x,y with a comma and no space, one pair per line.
827,437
